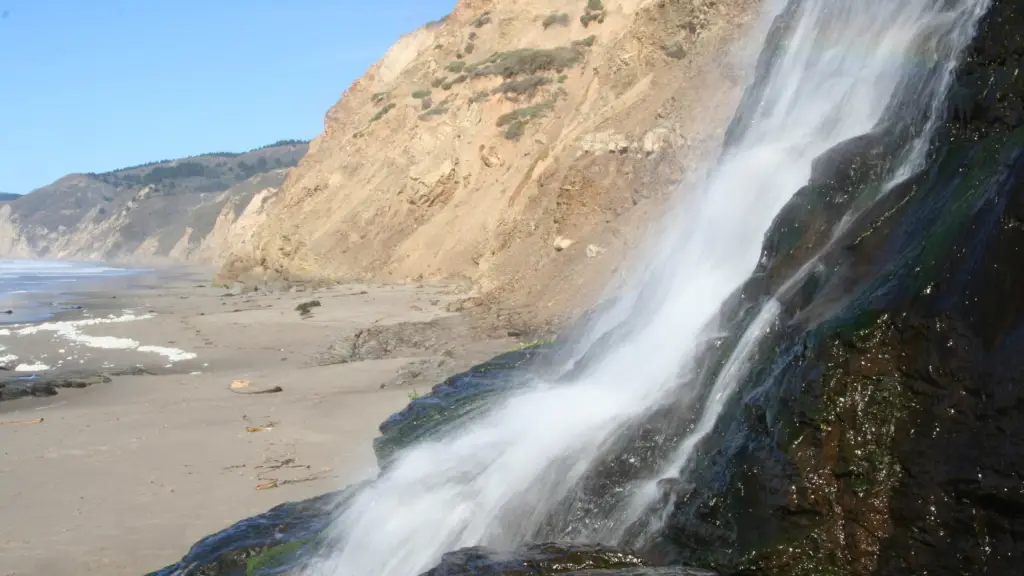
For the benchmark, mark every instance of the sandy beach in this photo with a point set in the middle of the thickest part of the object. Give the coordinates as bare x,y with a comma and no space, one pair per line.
123,475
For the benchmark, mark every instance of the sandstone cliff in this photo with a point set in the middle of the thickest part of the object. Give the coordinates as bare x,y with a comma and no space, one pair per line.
520,147
185,210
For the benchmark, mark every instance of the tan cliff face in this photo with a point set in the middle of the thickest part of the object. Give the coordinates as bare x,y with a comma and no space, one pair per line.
509,147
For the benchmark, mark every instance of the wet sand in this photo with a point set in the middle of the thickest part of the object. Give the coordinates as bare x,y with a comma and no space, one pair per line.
122,477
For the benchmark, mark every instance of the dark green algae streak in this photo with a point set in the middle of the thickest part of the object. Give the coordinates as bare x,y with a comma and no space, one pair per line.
881,427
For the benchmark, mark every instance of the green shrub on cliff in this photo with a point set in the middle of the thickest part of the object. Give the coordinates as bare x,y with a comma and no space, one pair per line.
526,85
515,121
530,61
383,111
555,18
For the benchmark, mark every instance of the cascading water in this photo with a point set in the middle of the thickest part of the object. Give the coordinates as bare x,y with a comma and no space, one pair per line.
496,480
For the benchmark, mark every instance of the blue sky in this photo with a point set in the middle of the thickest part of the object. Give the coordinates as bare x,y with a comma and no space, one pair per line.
95,85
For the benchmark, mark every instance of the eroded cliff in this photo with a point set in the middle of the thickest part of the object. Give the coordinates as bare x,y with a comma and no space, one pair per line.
519,147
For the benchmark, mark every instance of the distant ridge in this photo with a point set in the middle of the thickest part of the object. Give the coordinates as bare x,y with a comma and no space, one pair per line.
8,196
277,144
169,211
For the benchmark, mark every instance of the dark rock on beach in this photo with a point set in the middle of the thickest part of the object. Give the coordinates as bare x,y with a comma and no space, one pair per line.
13,387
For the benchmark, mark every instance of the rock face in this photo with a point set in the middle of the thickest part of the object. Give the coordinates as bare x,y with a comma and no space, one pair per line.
880,432
185,210
479,140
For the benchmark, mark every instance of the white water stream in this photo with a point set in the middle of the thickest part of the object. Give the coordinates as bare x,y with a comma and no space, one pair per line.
494,480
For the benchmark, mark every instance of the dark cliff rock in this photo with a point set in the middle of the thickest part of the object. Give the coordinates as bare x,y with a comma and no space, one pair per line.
881,431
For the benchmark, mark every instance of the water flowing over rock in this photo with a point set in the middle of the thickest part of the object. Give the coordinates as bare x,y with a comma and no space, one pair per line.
849,405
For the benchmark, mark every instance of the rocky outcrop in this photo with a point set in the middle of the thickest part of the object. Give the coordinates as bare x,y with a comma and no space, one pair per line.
185,210
880,431
510,146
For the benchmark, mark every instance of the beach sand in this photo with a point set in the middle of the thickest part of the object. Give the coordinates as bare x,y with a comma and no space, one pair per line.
122,477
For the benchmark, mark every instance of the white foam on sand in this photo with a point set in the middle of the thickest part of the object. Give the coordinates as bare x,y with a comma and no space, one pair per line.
71,330
31,368
172,354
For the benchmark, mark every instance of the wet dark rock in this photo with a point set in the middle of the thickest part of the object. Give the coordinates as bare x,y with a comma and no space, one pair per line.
42,385
449,402
278,541
551,558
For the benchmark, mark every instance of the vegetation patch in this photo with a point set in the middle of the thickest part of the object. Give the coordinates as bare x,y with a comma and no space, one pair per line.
306,308
442,109
536,344
421,94
531,61
593,13
527,85
437,82
289,142
470,48
515,121
383,111
179,170
555,18
378,97
457,80
481,96
482,20
456,66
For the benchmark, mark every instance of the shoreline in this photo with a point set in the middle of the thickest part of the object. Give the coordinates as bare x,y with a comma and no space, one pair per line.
123,474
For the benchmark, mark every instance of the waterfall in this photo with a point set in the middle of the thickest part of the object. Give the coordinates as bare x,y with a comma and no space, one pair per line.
830,71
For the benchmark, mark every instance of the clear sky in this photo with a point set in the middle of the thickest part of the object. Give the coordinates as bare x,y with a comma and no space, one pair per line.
96,85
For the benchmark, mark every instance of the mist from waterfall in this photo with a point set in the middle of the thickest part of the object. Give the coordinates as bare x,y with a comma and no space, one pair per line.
495,480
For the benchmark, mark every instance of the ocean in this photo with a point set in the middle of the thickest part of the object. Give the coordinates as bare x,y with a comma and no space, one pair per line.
33,290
